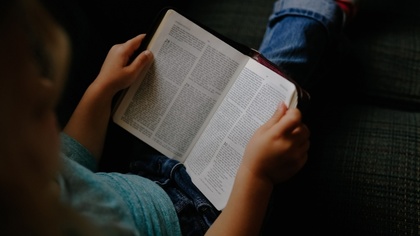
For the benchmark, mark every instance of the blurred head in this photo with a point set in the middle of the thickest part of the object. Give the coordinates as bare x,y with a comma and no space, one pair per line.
34,53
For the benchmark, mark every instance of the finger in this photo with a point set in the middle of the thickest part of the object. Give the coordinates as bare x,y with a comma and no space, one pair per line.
295,165
301,144
305,146
141,61
129,48
302,161
302,156
278,114
301,132
288,122
134,43
302,152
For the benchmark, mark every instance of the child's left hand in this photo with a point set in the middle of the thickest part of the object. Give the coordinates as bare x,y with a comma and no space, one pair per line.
278,149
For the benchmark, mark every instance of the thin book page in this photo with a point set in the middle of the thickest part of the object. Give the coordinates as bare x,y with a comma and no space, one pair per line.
171,104
251,101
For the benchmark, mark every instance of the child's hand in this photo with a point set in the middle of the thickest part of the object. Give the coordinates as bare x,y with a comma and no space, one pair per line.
278,149
89,122
116,72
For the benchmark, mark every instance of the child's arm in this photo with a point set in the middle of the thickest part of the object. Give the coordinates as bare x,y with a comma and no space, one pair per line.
88,124
276,152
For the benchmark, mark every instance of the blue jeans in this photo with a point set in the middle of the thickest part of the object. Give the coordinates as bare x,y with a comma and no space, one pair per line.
298,34
194,211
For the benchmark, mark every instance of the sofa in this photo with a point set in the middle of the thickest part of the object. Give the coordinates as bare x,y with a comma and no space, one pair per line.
363,171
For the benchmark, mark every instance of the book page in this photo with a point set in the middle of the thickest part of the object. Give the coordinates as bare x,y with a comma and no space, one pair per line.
252,100
169,106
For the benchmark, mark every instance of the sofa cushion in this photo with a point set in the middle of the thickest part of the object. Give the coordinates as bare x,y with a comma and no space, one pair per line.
242,21
383,54
368,170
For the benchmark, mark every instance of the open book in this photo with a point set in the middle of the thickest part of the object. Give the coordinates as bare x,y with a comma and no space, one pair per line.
202,99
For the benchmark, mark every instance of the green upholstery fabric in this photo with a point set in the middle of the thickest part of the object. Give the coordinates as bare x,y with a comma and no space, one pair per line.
243,21
368,172
385,52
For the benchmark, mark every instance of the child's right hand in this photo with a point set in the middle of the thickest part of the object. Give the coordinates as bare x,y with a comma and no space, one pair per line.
278,149
117,71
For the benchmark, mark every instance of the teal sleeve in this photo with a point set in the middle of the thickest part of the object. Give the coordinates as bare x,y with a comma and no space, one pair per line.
116,203
75,151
